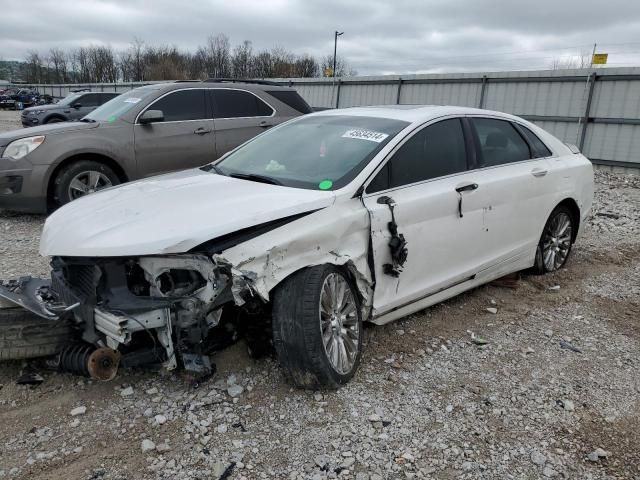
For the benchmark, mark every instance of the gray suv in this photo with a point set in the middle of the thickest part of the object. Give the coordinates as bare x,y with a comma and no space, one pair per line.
72,107
147,131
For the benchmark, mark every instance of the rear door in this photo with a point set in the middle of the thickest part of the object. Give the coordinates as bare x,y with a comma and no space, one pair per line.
517,189
239,116
185,138
435,205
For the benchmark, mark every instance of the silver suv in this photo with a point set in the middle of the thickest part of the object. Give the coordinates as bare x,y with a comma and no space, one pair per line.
146,131
72,107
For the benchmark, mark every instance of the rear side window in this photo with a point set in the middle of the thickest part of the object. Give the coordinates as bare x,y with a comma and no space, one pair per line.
107,96
292,99
539,148
238,104
182,105
435,151
500,142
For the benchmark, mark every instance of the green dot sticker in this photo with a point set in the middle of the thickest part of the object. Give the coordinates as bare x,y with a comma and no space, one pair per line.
325,185
112,119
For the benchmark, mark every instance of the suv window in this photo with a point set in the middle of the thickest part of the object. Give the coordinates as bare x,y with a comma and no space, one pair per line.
292,99
500,142
88,100
105,97
435,151
539,148
238,103
182,105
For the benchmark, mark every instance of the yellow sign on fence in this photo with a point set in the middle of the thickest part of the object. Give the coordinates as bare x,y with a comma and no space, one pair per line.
599,58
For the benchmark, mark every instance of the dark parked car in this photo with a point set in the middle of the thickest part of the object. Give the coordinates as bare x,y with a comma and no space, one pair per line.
72,107
150,130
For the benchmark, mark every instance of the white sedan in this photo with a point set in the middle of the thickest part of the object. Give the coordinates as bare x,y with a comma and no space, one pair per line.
320,224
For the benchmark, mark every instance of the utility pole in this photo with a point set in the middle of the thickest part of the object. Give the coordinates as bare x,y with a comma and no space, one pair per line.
592,54
335,51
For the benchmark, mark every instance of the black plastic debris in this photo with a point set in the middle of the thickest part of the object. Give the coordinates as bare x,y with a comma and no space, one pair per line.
228,471
566,345
29,378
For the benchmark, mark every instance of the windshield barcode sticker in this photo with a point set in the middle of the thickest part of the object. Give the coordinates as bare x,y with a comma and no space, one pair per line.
365,135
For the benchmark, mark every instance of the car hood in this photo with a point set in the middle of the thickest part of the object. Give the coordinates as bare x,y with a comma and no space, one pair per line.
49,129
169,214
52,106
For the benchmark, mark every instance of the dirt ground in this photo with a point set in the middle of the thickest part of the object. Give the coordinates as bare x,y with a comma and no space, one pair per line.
556,380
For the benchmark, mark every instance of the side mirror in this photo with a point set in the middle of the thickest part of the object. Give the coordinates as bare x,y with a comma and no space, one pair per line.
151,116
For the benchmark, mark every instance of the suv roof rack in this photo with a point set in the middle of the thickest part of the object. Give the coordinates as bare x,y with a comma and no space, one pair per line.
242,80
186,81
78,90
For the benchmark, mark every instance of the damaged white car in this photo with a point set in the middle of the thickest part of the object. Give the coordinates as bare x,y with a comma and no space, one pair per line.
308,230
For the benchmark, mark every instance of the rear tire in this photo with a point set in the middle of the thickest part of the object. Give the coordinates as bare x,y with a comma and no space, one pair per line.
63,191
318,343
555,242
25,335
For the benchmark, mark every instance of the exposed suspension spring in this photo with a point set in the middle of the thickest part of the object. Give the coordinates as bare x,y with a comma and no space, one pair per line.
83,359
75,359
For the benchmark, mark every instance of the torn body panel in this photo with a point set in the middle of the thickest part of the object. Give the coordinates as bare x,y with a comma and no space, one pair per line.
338,236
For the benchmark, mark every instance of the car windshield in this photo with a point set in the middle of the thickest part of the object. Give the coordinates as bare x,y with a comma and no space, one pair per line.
114,108
322,152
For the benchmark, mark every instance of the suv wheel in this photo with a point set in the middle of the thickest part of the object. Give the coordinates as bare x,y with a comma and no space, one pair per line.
317,327
54,120
82,178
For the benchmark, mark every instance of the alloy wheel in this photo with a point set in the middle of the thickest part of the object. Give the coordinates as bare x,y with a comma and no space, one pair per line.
556,242
87,182
339,323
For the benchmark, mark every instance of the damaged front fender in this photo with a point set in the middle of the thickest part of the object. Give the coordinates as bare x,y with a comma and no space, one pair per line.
338,236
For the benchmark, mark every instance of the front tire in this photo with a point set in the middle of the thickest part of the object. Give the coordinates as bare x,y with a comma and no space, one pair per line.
317,327
555,242
82,178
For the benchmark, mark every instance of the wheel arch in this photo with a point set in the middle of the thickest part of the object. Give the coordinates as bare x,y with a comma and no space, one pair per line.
59,116
573,207
96,157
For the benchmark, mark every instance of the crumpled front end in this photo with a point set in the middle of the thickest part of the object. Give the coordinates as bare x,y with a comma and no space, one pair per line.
172,309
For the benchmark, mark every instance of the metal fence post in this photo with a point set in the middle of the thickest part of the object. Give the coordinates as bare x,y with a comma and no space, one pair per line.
483,88
398,93
338,93
587,110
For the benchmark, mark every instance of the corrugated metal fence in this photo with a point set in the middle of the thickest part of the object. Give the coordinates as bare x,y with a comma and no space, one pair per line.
598,110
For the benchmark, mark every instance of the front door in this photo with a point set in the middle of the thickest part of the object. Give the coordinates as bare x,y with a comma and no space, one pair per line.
185,139
434,200
239,116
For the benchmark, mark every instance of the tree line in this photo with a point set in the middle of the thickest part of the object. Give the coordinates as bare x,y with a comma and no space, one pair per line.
217,58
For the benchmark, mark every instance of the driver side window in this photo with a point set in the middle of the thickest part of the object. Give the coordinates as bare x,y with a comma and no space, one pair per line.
434,151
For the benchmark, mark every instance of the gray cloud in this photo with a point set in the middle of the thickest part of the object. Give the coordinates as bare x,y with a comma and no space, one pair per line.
403,36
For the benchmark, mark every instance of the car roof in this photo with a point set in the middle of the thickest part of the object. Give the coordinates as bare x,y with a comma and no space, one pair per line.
413,113
218,83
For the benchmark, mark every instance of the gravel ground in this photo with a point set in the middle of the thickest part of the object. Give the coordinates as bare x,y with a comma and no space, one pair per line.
427,402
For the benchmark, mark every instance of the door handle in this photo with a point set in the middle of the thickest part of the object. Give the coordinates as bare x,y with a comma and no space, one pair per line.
201,131
464,188
264,124
467,188
539,172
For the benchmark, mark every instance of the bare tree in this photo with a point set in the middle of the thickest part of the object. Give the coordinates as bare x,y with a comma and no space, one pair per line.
218,56
342,69
33,73
242,59
582,60
58,60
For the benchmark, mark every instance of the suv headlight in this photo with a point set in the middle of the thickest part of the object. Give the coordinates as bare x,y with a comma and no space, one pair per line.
23,147
35,112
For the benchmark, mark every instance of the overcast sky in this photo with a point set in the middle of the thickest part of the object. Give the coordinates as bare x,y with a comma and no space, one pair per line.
381,36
